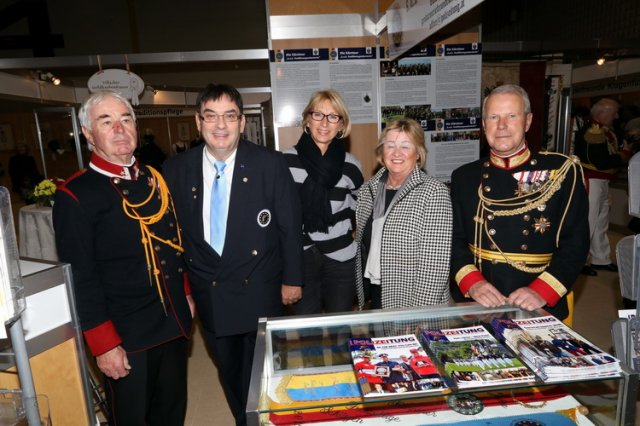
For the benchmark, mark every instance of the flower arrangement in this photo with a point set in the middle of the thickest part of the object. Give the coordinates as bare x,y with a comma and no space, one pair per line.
44,192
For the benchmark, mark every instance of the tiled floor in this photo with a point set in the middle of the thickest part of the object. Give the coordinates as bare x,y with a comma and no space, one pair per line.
597,301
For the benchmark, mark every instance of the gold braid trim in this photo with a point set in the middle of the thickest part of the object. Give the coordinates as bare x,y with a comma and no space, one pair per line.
521,204
147,236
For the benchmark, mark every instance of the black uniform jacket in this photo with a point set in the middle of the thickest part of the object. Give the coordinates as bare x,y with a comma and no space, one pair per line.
115,299
556,230
263,242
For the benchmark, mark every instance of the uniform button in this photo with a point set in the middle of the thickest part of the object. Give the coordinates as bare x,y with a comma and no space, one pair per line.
193,189
166,277
157,248
170,224
190,260
533,162
180,270
493,246
178,254
526,217
254,252
524,247
485,175
542,207
174,239
195,196
494,261
487,188
163,262
525,232
125,192
116,181
486,164
492,231
246,282
213,284
490,217
141,172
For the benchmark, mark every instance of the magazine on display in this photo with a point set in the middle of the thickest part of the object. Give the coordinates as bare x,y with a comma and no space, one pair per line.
393,365
553,350
472,357
634,325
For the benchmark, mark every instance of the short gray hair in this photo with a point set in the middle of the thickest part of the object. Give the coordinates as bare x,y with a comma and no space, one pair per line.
512,89
84,115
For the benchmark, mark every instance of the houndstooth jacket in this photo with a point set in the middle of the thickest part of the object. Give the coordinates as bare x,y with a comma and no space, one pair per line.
416,242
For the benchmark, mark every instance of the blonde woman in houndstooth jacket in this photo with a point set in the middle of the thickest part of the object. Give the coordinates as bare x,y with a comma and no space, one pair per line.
403,226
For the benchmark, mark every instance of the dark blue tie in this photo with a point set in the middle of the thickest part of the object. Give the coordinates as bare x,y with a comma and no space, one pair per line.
218,217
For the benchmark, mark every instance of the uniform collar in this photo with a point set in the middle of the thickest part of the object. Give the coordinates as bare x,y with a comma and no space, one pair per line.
512,161
110,169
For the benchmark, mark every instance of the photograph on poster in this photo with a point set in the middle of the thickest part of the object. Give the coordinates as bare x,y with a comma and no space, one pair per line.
455,136
405,67
6,137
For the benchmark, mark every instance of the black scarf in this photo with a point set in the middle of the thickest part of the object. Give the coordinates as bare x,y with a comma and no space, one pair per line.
324,172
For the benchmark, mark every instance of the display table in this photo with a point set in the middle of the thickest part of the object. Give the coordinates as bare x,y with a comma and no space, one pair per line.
37,239
303,373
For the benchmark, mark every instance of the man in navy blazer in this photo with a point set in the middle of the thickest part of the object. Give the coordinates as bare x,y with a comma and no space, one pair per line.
258,268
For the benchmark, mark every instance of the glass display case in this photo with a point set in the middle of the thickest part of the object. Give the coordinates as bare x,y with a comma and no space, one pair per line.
303,373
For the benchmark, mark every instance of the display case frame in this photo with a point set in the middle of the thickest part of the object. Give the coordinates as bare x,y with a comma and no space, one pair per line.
274,357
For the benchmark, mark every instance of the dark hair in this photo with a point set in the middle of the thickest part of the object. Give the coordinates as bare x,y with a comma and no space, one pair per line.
214,92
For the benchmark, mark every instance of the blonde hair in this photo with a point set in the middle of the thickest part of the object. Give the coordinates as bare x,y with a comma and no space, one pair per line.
336,102
415,133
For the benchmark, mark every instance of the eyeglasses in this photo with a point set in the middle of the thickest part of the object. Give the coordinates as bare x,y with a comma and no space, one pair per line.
331,118
212,117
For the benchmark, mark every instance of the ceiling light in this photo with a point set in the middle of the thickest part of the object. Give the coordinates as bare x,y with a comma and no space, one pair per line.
601,60
55,81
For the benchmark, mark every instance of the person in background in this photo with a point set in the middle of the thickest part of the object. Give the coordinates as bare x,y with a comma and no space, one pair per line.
403,226
114,224
178,147
150,152
23,172
327,178
597,147
520,230
240,215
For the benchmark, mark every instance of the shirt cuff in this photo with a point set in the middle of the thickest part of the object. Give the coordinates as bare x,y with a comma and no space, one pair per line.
102,338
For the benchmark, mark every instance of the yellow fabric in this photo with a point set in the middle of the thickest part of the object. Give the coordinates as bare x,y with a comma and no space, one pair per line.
568,321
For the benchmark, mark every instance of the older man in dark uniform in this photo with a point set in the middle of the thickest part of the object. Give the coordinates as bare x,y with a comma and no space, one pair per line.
115,225
520,230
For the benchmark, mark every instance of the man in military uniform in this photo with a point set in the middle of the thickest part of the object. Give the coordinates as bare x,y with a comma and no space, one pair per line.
597,146
115,225
520,231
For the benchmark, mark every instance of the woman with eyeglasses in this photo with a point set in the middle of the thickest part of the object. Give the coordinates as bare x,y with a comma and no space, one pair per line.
403,226
327,178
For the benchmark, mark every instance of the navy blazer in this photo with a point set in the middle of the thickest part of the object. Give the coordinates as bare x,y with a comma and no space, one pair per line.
263,242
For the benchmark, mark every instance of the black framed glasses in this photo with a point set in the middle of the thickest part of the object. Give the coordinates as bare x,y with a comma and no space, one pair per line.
212,117
331,118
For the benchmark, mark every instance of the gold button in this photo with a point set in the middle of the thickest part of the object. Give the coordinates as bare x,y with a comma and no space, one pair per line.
525,232
533,162
125,192
486,164
245,179
166,277
490,217
492,232
116,180
487,188
193,189
524,247
485,175
526,217
170,224
254,252
178,254
542,207
157,248
493,246
494,261
174,239
163,262
213,284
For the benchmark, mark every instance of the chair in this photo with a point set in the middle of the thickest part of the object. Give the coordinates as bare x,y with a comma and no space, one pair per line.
626,252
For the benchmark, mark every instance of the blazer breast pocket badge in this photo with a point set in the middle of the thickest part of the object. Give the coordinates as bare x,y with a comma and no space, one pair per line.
264,218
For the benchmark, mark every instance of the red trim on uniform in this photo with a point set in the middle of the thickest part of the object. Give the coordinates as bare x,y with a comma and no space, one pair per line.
469,280
545,291
67,191
102,338
63,186
115,169
187,284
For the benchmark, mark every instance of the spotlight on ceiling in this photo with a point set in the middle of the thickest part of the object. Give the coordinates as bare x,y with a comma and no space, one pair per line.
55,81
601,60
47,76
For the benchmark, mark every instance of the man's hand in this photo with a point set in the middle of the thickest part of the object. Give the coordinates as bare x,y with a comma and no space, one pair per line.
114,363
291,294
192,305
527,299
487,295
